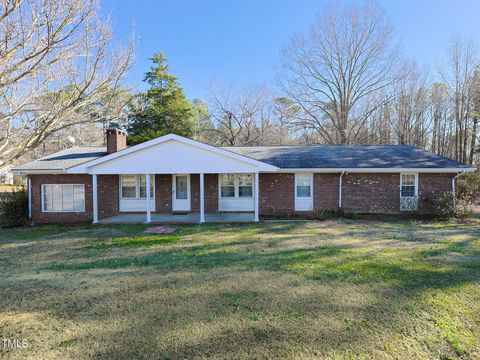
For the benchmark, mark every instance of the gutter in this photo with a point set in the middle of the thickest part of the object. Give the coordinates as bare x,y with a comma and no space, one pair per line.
454,194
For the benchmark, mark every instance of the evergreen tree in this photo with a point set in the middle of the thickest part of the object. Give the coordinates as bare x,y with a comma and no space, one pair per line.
163,108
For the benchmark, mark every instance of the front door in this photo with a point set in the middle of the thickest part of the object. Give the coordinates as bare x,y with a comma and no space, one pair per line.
181,193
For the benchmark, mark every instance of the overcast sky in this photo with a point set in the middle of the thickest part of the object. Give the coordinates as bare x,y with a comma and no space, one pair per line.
239,41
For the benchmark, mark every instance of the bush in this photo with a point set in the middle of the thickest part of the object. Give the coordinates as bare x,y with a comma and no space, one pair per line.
442,207
14,208
468,187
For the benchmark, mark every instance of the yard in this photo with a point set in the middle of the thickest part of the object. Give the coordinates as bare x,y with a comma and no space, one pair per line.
333,289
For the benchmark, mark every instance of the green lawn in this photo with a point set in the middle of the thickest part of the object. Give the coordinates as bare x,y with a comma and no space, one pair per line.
334,289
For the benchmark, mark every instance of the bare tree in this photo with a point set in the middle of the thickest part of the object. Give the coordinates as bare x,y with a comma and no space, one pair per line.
410,107
335,71
242,118
58,68
463,61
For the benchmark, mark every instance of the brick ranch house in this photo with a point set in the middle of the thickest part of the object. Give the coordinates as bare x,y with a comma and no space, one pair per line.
172,178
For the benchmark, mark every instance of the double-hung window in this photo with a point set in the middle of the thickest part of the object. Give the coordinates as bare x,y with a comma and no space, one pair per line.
245,185
63,197
227,185
409,185
408,192
236,185
134,186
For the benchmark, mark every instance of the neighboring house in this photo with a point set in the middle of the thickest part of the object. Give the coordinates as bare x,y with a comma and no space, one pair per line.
174,175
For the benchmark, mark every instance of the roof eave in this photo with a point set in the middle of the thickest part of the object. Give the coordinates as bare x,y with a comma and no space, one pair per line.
379,170
38,171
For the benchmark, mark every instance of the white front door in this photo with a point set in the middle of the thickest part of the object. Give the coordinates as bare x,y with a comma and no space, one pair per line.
303,192
181,193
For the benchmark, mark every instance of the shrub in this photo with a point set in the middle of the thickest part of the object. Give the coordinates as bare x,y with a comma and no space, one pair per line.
442,207
468,187
14,208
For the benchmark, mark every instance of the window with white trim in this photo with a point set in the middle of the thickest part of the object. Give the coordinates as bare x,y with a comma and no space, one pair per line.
236,186
63,197
304,186
135,186
408,185
245,185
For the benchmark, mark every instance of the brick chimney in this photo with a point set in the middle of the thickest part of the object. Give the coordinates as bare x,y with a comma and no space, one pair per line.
116,140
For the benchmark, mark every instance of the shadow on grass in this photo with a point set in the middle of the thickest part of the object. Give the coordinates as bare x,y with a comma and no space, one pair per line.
395,277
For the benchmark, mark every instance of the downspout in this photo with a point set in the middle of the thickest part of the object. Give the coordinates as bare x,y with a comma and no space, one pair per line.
340,189
29,189
454,195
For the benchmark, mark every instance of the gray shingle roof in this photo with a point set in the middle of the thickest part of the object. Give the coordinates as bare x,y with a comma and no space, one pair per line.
65,159
331,157
286,157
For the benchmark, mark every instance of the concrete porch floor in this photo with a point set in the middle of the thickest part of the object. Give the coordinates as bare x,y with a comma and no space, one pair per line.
177,218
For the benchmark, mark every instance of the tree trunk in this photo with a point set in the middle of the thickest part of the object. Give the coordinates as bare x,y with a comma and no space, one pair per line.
473,141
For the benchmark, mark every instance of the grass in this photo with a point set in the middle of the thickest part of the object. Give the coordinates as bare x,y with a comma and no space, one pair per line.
337,289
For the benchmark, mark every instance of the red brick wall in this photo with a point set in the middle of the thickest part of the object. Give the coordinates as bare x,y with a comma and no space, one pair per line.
107,195
361,192
325,191
195,192
211,193
163,193
371,193
40,217
277,194
431,185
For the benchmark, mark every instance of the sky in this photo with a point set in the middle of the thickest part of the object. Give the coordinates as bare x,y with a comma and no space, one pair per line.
239,42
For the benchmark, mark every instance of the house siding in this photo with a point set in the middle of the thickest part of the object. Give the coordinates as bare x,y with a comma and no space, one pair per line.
432,185
39,217
371,193
277,194
367,193
108,195
163,193
325,191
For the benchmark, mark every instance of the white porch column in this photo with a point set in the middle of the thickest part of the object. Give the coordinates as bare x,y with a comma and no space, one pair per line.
202,199
95,198
257,186
147,184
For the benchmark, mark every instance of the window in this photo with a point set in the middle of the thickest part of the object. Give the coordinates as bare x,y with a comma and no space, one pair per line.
134,186
236,186
227,185
129,187
63,197
304,184
409,185
143,186
245,185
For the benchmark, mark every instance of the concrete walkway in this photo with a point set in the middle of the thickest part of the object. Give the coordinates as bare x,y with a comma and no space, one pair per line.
180,218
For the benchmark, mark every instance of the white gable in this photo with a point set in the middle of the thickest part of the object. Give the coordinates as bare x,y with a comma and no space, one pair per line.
172,156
